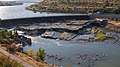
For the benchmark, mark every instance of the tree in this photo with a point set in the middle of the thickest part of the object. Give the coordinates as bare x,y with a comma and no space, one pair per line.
73,8
31,52
40,54
66,8
116,11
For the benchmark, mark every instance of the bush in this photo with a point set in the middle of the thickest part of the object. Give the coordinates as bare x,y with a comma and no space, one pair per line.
11,49
8,37
100,36
31,52
107,10
40,54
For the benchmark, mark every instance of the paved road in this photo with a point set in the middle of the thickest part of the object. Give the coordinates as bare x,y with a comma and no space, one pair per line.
25,64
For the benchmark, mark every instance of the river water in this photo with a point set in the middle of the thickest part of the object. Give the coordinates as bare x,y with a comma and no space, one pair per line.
68,50
18,11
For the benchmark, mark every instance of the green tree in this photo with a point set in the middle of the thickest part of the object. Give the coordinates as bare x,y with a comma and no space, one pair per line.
40,54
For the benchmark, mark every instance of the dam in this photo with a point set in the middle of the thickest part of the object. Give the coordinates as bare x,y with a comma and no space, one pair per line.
43,19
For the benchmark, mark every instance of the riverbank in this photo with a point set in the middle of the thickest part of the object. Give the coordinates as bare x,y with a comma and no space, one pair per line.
18,60
7,61
24,59
75,7
11,44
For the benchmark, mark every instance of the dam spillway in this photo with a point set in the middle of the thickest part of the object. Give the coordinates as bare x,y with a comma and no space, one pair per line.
43,19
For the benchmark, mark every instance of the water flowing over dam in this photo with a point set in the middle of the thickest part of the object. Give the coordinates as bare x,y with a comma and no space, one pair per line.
43,19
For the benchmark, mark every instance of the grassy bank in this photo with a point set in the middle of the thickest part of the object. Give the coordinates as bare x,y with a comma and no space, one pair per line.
10,45
7,62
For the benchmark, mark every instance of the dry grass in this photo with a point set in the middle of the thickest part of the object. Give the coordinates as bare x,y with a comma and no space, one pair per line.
32,60
116,23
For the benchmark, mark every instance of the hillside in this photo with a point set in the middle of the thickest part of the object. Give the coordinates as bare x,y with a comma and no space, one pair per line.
84,0
77,6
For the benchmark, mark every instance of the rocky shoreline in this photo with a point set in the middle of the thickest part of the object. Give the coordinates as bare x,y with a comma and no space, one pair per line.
69,30
76,30
112,27
12,38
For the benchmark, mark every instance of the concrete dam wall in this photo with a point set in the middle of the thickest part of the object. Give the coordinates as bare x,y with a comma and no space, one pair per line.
43,19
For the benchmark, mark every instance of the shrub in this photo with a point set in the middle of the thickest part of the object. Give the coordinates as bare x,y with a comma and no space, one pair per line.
11,49
40,54
100,36
31,52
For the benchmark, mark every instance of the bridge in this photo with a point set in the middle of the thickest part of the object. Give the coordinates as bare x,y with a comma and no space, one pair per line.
48,19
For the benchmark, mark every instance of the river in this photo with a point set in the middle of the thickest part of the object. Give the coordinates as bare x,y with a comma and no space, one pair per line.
18,11
71,50
67,50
